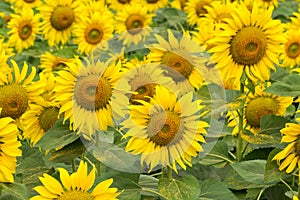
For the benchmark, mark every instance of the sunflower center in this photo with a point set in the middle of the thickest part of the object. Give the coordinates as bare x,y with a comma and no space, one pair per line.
259,107
220,18
13,100
248,46
293,50
152,1
143,93
92,93
48,117
177,67
163,127
124,1
134,24
62,18
76,195
59,64
25,30
200,10
29,1
93,34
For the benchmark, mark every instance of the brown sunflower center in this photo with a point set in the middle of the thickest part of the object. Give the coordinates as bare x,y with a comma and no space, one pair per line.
124,1
177,67
76,195
248,46
135,23
25,30
152,1
163,127
293,49
143,93
259,107
13,100
200,10
62,18
48,117
59,64
29,1
92,93
93,34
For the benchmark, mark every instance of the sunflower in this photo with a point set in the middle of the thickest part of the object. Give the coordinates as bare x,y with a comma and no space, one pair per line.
92,31
257,105
85,93
180,58
153,5
288,158
132,23
8,149
205,30
75,186
291,55
20,4
53,63
196,10
178,4
138,83
18,90
118,5
249,41
268,3
24,27
58,21
165,131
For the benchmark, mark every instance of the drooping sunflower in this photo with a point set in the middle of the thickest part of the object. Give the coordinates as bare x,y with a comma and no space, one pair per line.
257,105
249,41
9,149
75,186
18,90
291,53
20,4
180,58
58,19
165,131
85,92
132,23
289,157
196,10
93,30
24,28
53,63
153,5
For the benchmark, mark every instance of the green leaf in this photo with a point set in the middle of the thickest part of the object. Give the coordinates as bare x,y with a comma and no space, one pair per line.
211,190
285,10
289,86
251,171
272,173
14,191
59,135
148,184
187,188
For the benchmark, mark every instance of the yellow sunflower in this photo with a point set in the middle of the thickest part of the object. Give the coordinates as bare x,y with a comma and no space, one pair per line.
205,30
85,93
24,28
118,5
166,131
20,4
58,19
93,30
18,90
291,55
132,23
268,3
257,105
178,4
180,58
249,41
9,149
288,158
153,5
196,10
75,186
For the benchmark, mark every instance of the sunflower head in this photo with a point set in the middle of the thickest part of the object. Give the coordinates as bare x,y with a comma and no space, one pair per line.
143,92
134,23
48,117
62,18
25,30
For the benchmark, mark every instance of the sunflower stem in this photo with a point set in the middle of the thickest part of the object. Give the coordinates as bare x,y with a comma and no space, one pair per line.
169,173
73,165
288,186
239,145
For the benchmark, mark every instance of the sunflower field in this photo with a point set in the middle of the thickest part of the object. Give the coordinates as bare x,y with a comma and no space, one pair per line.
149,99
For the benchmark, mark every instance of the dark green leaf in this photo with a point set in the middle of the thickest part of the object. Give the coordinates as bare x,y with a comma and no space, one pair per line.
289,86
272,173
211,190
14,191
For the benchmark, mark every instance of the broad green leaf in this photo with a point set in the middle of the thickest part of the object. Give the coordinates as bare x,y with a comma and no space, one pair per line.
187,188
279,74
285,10
59,135
149,185
211,190
272,173
259,153
276,192
251,171
289,86
13,191
252,193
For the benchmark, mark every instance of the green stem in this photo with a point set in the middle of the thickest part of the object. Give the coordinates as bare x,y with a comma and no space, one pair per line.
288,186
260,193
239,145
73,165
169,173
218,156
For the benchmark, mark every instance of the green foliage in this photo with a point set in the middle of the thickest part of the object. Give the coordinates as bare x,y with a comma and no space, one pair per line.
289,86
211,190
